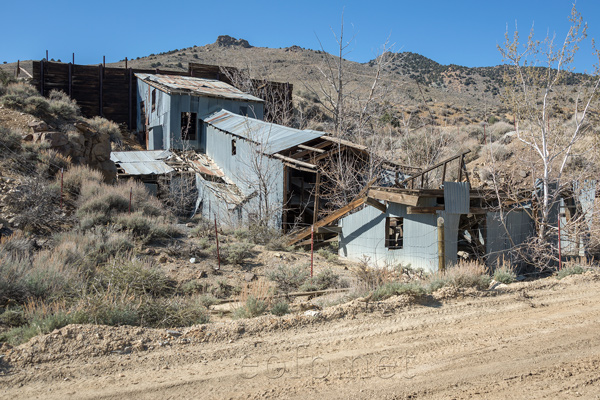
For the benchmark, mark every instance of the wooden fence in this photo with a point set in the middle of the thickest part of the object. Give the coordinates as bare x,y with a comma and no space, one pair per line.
111,92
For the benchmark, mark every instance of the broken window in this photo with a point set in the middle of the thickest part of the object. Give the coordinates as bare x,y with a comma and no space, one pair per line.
233,147
394,232
188,125
153,100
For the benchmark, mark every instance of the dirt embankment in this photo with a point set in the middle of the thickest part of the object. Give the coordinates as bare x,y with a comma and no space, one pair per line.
526,340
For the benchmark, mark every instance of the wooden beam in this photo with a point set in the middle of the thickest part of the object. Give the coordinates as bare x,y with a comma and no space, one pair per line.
345,142
291,160
313,149
424,210
329,219
319,146
446,161
328,229
294,166
374,203
400,198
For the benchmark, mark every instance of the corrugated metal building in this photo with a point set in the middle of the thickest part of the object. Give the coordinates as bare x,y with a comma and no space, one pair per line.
171,108
407,232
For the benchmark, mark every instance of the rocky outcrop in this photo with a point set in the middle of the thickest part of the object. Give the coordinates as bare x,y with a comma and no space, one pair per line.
85,145
228,41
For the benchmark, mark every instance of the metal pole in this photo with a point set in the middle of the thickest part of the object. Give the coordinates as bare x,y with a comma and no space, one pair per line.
18,68
312,248
47,56
217,238
130,198
125,62
104,61
559,245
73,58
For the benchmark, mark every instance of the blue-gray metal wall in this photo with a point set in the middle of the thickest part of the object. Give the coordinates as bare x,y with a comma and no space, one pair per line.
363,235
167,114
246,168
504,235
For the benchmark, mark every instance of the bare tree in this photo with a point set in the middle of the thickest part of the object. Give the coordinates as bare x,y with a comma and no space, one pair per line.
536,71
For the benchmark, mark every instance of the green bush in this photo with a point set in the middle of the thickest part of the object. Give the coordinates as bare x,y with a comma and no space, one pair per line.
288,277
571,270
504,275
234,253
62,106
10,142
253,307
130,275
323,280
280,308
390,289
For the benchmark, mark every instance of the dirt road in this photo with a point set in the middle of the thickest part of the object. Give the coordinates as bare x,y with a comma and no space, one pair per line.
528,340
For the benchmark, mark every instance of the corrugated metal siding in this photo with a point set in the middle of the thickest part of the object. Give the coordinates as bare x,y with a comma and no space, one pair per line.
273,138
363,235
501,238
456,197
450,236
174,84
142,162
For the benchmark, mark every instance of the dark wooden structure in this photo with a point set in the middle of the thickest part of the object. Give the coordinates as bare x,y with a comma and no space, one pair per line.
110,92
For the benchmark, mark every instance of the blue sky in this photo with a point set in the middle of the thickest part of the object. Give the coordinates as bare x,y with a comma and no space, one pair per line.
449,32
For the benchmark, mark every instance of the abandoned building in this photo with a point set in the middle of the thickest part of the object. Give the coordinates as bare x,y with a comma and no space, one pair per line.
170,108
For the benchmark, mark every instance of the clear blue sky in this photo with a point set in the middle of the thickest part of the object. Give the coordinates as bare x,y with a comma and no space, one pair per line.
449,32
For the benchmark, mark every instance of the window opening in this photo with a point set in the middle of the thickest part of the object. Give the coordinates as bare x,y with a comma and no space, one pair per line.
394,232
188,125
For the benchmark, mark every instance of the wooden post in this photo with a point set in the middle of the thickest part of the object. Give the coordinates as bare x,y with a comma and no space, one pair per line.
71,80
47,59
130,198
129,108
18,68
61,188
217,239
104,61
125,62
316,206
42,77
441,245
285,197
73,61
100,77
312,248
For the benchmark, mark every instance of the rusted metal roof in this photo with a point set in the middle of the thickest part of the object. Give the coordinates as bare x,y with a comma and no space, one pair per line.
272,137
173,84
142,162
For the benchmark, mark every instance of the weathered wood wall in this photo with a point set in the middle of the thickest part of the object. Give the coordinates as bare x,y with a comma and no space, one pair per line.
110,92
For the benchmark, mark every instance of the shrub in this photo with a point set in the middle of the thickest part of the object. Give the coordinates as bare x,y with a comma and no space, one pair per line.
571,270
498,129
390,289
327,254
10,142
253,307
280,308
62,106
36,105
77,175
104,126
288,277
504,275
51,162
130,275
323,280
234,253
468,274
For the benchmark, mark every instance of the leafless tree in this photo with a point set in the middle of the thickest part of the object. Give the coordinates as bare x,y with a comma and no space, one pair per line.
537,69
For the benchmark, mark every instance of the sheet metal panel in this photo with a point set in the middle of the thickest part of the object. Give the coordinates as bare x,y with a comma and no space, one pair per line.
272,137
142,162
174,84
456,197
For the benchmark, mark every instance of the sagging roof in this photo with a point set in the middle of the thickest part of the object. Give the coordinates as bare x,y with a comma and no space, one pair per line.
147,162
173,84
274,137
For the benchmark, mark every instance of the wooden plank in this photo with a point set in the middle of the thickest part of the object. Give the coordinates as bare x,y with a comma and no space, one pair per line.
304,153
328,229
400,198
329,219
291,160
424,210
345,142
436,166
374,203
314,149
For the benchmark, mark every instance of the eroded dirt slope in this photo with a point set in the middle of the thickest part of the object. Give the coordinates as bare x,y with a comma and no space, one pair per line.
528,340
